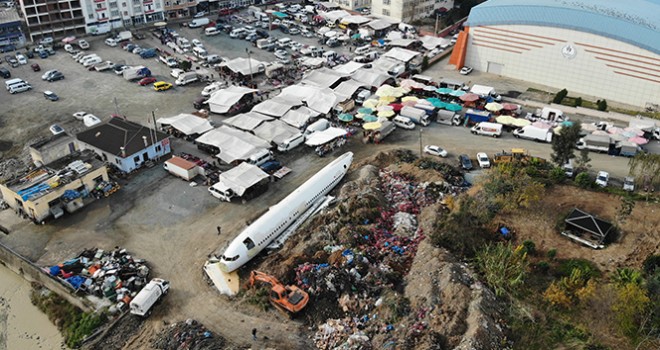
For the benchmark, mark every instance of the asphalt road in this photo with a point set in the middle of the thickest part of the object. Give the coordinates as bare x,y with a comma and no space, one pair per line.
169,223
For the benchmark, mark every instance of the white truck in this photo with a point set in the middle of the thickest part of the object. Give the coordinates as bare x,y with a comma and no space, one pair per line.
488,129
123,36
532,132
182,168
186,78
199,22
416,115
448,117
213,87
143,302
137,72
598,143
485,91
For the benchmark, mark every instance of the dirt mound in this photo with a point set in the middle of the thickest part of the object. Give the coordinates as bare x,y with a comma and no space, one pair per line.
118,334
190,335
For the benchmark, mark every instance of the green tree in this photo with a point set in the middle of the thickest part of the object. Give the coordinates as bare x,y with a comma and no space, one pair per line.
583,180
602,105
645,167
425,63
630,309
185,65
583,160
563,145
578,102
561,94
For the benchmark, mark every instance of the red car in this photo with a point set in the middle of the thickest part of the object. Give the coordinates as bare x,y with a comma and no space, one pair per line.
147,81
35,67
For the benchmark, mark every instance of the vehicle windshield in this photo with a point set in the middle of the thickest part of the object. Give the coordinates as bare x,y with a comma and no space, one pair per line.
603,178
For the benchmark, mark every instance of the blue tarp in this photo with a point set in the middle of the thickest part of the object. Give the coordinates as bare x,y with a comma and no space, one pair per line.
54,270
280,14
76,281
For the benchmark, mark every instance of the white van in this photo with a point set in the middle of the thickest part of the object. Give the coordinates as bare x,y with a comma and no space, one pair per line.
329,55
200,52
9,83
318,125
111,42
20,87
284,42
92,61
86,57
237,33
363,49
403,122
291,143
260,157
488,129
211,31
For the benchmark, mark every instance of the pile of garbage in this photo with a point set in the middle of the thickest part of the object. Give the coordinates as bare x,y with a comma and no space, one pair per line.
189,335
367,260
11,167
114,275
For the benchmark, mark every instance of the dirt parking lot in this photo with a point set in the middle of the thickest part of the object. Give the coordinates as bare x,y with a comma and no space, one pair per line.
163,219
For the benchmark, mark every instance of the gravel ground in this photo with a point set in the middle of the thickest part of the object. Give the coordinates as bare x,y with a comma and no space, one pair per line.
163,219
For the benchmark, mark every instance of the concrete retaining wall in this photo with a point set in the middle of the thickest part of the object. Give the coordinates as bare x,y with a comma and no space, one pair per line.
33,273
625,118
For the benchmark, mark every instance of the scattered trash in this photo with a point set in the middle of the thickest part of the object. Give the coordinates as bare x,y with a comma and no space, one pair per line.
190,335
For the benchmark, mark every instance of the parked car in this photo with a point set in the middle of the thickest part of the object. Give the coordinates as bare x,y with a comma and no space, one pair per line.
270,166
147,81
466,70
465,161
83,44
55,129
49,95
46,41
90,120
21,59
55,76
162,86
176,72
483,160
48,74
281,54
4,72
35,67
119,68
435,151
603,178
79,115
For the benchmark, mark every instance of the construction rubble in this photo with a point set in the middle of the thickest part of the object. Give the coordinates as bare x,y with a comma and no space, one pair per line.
113,275
187,335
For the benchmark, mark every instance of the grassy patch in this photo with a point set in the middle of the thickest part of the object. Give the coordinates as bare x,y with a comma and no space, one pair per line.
74,324
538,91
587,267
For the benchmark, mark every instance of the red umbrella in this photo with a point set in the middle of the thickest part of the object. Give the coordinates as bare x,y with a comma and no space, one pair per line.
396,106
509,107
469,97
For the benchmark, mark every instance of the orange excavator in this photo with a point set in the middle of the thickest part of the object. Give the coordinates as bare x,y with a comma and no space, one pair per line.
285,298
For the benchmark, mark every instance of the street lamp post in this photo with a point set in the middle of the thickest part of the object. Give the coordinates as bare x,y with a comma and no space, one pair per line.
249,63
420,142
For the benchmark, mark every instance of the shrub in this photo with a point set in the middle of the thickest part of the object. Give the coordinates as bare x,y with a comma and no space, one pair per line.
425,63
575,289
560,96
630,308
529,247
578,102
602,105
583,180
587,267
552,253
503,267
651,264
627,276
557,175
543,266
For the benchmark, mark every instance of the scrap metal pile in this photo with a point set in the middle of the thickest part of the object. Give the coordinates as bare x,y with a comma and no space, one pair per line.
367,260
114,275
189,335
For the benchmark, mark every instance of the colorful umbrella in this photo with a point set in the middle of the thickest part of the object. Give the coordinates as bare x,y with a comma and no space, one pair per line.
386,99
636,131
638,140
444,91
453,107
385,90
386,114
469,97
509,107
457,93
410,99
615,130
370,118
520,122
409,83
396,106
385,108
345,117
494,106
365,110
409,103
372,126
371,103
436,102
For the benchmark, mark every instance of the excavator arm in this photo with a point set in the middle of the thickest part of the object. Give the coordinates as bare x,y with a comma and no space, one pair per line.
289,298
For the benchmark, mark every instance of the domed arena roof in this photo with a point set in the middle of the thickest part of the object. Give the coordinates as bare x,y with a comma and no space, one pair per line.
636,22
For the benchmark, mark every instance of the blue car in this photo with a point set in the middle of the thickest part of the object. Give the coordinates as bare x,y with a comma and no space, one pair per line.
43,54
271,166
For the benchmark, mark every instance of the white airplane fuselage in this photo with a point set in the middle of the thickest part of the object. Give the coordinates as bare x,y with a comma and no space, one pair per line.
279,217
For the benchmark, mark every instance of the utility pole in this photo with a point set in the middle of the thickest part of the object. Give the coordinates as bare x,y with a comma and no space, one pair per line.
249,64
420,142
435,32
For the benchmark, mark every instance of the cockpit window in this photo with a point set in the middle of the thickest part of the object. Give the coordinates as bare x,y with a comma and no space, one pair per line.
249,244
233,258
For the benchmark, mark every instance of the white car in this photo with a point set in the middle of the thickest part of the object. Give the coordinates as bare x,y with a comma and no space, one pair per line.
55,129
295,46
200,14
197,43
466,70
281,54
176,72
48,74
83,44
603,178
483,160
91,120
21,59
435,151
79,115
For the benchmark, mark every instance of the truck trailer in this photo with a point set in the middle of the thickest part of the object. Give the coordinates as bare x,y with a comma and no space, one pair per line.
123,36
182,168
134,73
532,132
143,302
186,78
416,115
448,118
597,143
472,116
377,135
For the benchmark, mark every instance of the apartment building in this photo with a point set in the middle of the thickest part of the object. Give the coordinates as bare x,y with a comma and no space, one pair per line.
11,35
53,18
102,16
408,11
179,8
352,5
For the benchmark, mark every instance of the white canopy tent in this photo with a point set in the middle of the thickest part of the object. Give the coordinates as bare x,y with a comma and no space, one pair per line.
247,121
400,54
333,16
187,124
234,144
298,118
430,42
401,42
323,77
347,88
221,101
272,108
275,131
355,19
242,177
348,68
370,77
244,65
321,100
379,24
322,137
312,62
